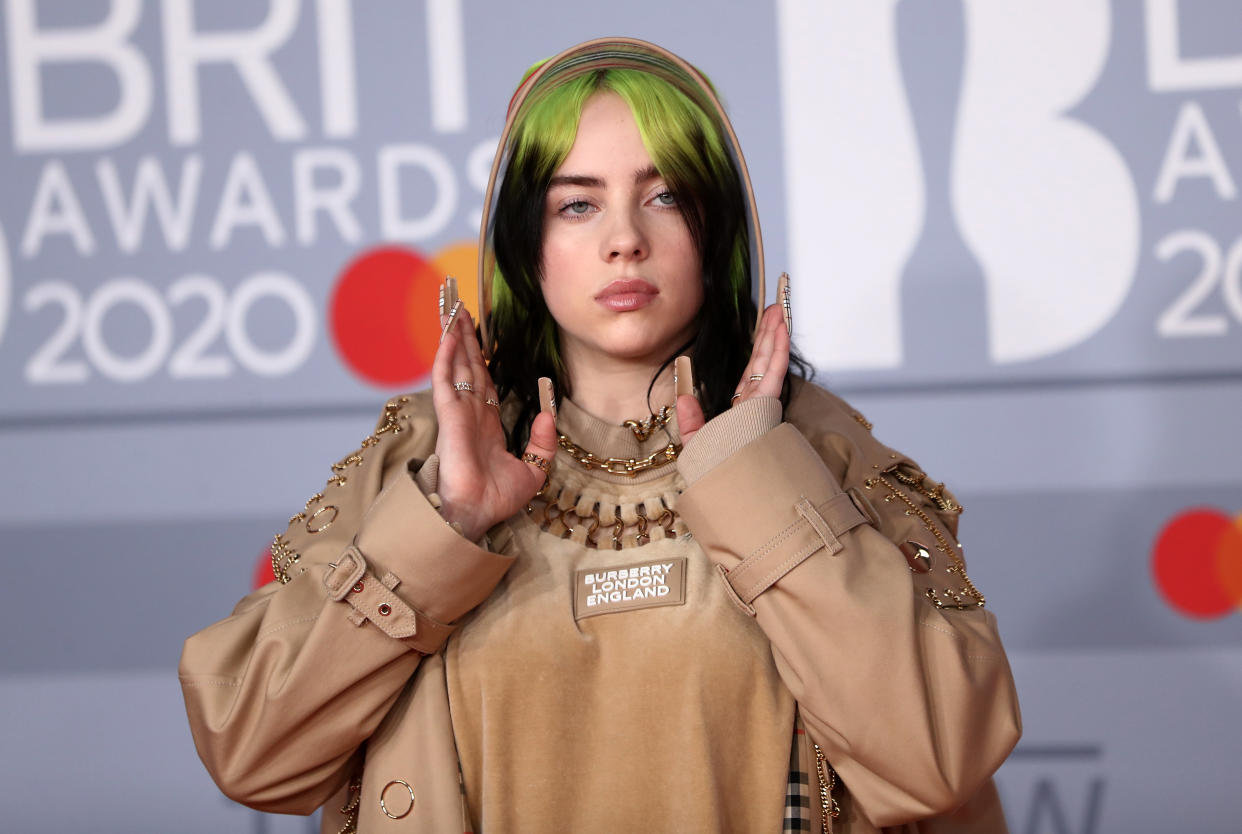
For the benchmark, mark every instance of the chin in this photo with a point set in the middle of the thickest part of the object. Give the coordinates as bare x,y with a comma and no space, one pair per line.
646,351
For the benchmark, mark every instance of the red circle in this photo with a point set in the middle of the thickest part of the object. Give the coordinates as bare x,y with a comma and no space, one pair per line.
1185,564
263,570
384,318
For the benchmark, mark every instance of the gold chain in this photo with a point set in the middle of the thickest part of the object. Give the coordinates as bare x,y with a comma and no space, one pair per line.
643,428
283,554
918,480
283,558
350,808
619,466
942,544
827,782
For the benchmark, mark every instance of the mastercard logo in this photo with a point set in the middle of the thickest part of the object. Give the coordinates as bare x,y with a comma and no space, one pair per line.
384,311
1196,563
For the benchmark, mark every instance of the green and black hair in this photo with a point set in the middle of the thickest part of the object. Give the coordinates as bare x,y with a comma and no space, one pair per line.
688,148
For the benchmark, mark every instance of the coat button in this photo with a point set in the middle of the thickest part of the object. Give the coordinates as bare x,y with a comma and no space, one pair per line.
397,805
918,557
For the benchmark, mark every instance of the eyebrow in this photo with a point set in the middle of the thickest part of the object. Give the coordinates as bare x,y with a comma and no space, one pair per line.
640,176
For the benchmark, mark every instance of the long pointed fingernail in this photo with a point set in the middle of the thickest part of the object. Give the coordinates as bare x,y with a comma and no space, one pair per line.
451,295
448,325
782,294
683,377
547,396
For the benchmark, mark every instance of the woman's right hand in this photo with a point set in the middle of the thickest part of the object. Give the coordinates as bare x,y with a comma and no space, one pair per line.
481,483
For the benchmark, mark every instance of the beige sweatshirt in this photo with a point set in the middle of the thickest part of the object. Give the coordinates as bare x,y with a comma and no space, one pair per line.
628,668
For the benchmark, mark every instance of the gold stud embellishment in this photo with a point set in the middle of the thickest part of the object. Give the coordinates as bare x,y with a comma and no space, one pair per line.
918,557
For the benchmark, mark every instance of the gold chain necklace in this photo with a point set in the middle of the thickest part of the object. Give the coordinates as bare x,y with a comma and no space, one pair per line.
619,466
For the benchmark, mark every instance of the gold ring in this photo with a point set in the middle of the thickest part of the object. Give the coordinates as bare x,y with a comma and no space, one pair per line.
462,386
322,525
542,463
756,377
490,401
735,396
384,807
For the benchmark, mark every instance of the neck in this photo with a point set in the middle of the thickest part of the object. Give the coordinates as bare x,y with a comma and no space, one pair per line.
615,390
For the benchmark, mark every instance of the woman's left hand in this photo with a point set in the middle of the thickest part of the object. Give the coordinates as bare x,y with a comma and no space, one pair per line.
764,375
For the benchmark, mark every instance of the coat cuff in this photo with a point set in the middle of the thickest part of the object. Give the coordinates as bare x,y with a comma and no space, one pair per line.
725,434
409,573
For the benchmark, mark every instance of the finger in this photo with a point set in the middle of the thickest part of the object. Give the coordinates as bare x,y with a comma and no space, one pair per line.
442,393
462,370
765,351
484,388
750,361
542,446
763,344
689,410
689,417
470,340
543,436
759,354
778,365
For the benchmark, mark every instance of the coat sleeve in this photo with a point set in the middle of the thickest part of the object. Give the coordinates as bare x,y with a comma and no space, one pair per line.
847,559
369,580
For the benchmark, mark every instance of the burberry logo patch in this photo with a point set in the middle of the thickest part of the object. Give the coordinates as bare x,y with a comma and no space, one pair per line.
644,585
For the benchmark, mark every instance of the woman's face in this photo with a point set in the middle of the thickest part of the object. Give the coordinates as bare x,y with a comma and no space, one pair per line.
620,269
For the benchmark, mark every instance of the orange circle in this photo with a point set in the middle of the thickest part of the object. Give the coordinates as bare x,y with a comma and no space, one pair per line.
461,261
1229,561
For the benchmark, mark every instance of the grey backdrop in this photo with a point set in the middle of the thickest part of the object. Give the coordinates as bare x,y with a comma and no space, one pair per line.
1012,227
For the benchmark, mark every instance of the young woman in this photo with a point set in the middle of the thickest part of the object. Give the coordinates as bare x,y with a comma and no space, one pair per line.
638,600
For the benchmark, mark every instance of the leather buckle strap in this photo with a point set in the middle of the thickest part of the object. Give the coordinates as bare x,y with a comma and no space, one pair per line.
373,598
344,573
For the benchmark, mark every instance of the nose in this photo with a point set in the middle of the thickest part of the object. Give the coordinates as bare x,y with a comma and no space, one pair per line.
624,239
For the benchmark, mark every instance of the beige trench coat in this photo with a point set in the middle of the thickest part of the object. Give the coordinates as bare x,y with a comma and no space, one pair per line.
840,548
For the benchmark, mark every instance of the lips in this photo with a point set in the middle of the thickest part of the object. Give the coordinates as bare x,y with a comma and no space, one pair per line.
627,294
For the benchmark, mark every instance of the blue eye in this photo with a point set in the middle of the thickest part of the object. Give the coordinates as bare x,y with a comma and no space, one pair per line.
666,198
577,207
